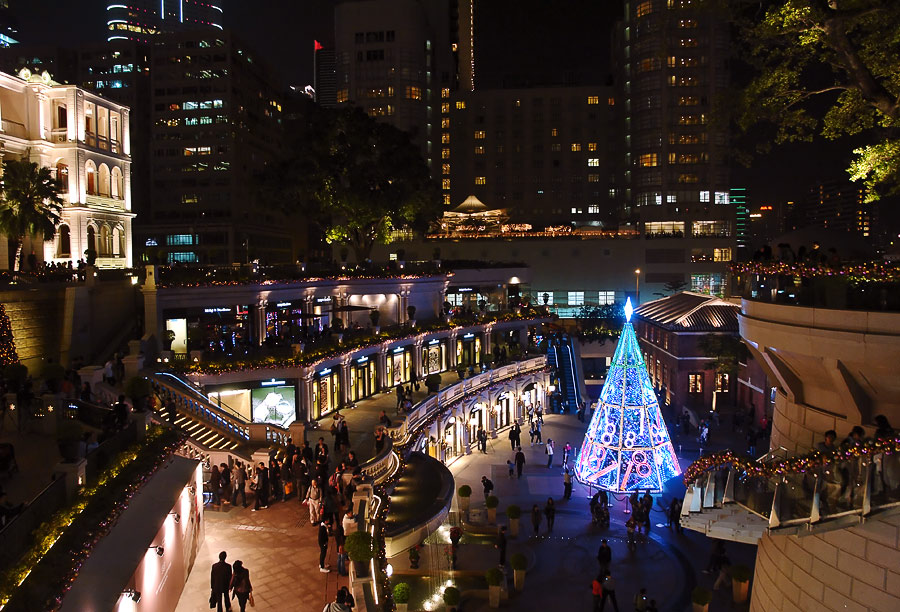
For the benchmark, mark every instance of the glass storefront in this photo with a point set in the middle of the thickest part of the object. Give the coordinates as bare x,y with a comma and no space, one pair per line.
217,329
326,392
363,378
505,409
399,366
477,418
269,401
468,349
434,357
284,321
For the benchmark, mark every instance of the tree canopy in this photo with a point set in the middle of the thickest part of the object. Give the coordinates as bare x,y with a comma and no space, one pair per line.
726,351
30,203
827,67
358,178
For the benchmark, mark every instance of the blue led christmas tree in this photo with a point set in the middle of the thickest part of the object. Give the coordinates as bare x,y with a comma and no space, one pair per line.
627,446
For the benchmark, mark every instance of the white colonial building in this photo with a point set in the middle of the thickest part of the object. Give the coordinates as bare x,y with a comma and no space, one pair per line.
84,138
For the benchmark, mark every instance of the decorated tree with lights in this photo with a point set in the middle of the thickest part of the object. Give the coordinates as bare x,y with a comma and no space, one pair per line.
8,354
627,446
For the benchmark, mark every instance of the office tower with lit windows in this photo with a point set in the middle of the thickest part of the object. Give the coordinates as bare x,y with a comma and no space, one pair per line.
140,20
839,205
395,60
671,64
541,153
326,82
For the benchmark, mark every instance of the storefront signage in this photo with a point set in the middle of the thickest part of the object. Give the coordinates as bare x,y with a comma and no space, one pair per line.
464,289
469,335
323,300
504,395
283,304
216,310
271,383
400,349
433,342
362,360
325,372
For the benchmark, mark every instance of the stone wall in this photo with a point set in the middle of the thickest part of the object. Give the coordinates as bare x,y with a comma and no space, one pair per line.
851,570
36,317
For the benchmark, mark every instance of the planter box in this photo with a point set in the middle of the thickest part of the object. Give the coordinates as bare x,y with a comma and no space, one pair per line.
494,596
492,515
401,607
739,590
514,527
519,579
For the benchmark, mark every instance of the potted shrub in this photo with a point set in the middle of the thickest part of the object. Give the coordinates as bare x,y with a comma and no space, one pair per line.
460,371
740,582
374,316
700,598
491,504
15,374
433,382
464,493
494,578
451,597
411,313
358,546
513,512
519,564
401,596
414,556
455,536
68,437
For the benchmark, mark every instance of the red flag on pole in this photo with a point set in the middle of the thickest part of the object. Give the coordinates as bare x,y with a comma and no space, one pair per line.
317,45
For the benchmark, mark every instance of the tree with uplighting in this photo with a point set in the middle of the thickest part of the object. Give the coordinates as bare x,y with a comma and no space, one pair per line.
30,203
826,67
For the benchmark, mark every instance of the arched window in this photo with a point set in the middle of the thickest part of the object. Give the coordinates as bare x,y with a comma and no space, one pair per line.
104,180
64,242
91,239
62,174
105,242
116,242
118,184
90,171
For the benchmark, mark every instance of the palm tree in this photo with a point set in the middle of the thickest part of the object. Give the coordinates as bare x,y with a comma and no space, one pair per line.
29,203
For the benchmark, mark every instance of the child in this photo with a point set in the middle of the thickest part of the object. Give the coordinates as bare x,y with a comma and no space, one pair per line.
509,464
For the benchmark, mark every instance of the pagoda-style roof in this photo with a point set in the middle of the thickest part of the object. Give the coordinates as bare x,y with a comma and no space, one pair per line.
473,206
689,311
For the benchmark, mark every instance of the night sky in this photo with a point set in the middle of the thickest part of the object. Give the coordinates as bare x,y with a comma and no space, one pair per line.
518,42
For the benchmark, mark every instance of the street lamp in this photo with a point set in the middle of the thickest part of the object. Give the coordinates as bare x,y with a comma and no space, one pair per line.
637,285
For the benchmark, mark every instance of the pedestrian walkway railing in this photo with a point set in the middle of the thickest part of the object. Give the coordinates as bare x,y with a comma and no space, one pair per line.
802,494
424,410
194,403
383,464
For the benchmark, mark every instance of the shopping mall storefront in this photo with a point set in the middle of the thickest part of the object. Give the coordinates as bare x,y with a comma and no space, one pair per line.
326,392
363,373
215,329
398,366
468,349
434,356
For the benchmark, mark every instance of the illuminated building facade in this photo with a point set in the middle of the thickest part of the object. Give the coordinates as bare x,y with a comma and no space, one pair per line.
140,20
85,140
839,205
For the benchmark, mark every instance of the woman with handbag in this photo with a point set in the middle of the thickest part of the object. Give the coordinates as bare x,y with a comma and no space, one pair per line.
240,586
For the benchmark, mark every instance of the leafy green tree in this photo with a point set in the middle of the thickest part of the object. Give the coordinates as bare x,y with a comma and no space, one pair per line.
726,352
357,177
828,67
30,203
672,287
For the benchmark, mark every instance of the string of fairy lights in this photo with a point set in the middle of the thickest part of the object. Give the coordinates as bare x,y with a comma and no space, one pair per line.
871,271
750,468
8,353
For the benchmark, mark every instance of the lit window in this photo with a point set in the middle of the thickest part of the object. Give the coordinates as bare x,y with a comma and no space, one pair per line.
593,178
445,138
593,162
445,153
342,95
445,123
460,105
480,134
554,132
695,383
704,196
688,178
593,99
576,298
413,93
723,254
446,198
593,209
576,146
610,101
722,382
644,8
648,160
592,146
606,298
480,180
555,147
445,184
479,150
445,108
721,197
445,92
445,168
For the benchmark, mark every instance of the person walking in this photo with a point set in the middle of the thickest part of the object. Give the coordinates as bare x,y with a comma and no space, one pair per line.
567,452
604,557
567,485
549,452
481,436
313,501
597,591
501,546
520,462
240,485
262,487
339,540
550,513
609,592
630,527
219,583
324,532
240,585
532,432
515,436
537,432
225,474
536,519
487,485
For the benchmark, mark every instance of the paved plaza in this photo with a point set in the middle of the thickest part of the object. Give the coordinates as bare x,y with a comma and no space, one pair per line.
278,545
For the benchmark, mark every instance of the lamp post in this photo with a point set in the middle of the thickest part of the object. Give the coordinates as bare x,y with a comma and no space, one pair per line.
637,286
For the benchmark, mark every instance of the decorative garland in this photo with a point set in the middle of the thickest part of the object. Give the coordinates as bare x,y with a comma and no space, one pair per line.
748,468
210,281
130,465
319,355
8,354
872,271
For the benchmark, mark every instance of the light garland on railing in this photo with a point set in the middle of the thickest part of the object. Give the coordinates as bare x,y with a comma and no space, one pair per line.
748,468
320,355
873,271
210,281
156,448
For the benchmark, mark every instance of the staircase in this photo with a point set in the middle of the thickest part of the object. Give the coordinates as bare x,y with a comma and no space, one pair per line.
203,435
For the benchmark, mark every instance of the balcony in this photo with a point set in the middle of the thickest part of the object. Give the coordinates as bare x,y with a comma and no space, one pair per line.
13,128
102,201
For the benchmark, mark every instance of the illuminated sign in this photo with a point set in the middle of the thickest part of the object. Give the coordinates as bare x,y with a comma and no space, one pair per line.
283,304
400,350
323,300
216,310
271,383
433,342
362,360
325,372
464,289
469,335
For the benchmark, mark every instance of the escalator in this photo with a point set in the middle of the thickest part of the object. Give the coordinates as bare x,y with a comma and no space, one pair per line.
561,357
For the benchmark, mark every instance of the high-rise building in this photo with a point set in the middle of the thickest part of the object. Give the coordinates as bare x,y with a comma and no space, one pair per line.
326,81
8,32
542,153
140,20
738,198
671,64
215,122
395,60
838,205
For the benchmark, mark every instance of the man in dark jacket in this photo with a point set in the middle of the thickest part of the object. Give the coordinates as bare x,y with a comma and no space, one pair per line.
520,461
515,436
604,556
324,528
219,581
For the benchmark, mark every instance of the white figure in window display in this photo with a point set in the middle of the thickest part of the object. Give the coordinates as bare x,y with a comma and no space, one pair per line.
274,409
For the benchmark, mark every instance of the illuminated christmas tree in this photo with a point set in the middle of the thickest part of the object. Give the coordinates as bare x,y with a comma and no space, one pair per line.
8,352
627,446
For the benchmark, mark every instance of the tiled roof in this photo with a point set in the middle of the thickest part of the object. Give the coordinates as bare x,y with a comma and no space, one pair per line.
687,311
